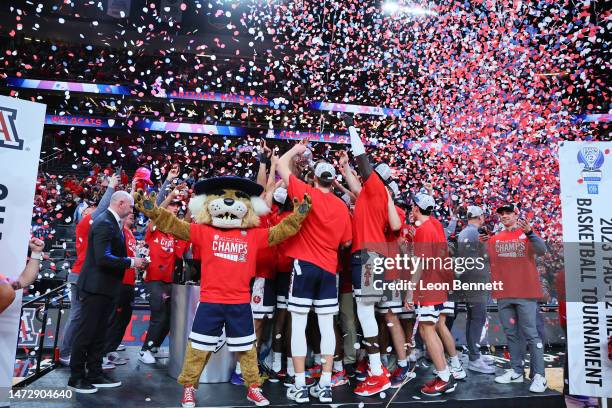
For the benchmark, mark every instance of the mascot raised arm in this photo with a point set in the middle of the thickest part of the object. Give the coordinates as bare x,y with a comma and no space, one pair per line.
226,232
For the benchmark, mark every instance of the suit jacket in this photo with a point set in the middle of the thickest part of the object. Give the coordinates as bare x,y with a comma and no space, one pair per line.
106,258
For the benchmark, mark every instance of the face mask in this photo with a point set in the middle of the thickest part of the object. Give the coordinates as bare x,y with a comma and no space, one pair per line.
280,195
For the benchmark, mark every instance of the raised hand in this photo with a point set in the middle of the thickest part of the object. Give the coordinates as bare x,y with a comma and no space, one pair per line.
302,208
37,245
524,225
146,203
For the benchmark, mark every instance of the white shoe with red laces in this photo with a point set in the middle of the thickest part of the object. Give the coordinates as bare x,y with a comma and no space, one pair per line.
256,396
188,400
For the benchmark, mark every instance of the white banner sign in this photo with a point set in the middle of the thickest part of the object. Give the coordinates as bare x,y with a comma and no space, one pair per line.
21,131
586,201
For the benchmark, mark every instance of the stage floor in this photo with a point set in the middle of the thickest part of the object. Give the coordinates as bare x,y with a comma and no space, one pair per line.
150,386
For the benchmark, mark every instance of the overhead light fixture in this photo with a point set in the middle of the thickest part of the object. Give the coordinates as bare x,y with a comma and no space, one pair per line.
392,7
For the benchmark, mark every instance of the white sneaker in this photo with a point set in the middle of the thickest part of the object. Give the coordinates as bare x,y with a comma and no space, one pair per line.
509,377
538,384
458,372
488,359
113,358
146,357
107,365
160,353
480,366
121,347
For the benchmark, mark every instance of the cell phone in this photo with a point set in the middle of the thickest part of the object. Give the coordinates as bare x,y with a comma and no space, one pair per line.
118,170
483,230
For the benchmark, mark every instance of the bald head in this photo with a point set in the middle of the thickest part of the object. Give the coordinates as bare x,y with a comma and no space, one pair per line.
122,203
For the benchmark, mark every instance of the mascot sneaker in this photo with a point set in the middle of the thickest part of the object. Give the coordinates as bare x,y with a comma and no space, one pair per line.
256,396
188,400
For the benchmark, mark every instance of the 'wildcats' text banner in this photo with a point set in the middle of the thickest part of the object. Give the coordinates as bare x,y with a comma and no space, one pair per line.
586,189
21,130
81,121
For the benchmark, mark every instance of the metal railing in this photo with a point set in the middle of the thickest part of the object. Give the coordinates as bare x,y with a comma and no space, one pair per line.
54,299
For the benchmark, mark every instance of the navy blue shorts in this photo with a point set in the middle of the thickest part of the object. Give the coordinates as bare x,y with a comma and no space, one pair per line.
263,298
312,286
210,320
282,290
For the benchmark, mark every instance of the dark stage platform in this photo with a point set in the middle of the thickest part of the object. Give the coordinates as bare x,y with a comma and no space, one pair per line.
150,386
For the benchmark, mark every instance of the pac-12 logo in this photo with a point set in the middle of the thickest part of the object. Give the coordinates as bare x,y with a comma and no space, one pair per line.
8,133
592,159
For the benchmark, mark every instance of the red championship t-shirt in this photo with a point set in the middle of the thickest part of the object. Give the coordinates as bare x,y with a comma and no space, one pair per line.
430,245
82,231
327,226
164,250
266,257
228,261
130,244
513,262
371,216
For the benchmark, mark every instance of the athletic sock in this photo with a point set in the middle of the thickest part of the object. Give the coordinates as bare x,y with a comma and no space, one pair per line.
375,364
300,380
325,380
317,359
238,370
338,366
277,362
454,361
402,363
290,370
444,374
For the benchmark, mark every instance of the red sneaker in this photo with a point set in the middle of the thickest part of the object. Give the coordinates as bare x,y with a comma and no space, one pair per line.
188,400
372,385
314,371
386,372
437,386
255,395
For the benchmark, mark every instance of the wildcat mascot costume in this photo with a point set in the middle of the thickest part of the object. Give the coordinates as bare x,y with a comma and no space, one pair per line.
226,211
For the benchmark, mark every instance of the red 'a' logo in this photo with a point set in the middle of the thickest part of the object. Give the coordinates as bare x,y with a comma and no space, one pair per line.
8,133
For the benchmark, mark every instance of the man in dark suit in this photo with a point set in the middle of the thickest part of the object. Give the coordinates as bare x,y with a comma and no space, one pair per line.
98,286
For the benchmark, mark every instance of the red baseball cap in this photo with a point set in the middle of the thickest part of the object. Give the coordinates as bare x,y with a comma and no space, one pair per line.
143,174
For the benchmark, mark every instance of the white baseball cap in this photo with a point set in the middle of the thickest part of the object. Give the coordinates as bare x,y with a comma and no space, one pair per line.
383,170
394,188
325,171
424,201
474,211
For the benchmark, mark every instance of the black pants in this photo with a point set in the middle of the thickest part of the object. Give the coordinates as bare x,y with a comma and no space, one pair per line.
159,323
90,336
119,319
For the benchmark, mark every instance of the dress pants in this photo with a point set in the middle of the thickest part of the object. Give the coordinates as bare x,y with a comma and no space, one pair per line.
90,336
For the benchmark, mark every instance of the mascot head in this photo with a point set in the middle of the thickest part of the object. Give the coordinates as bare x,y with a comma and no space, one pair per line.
228,202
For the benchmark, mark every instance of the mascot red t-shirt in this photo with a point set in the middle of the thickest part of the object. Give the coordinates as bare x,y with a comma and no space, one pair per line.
230,257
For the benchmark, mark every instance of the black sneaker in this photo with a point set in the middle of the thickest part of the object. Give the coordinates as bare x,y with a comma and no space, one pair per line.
104,381
82,386
350,370
289,381
275,377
